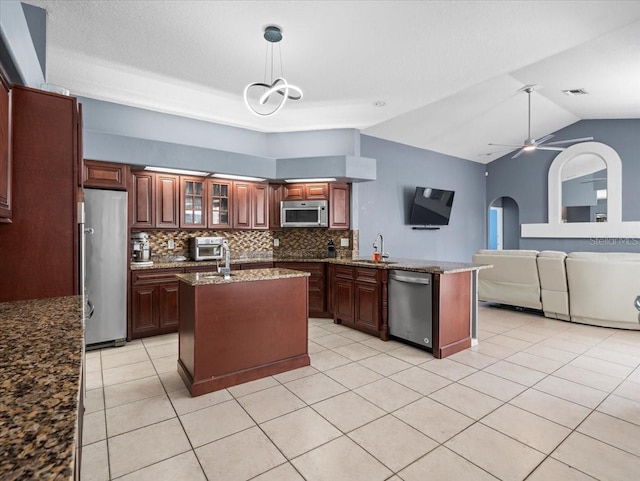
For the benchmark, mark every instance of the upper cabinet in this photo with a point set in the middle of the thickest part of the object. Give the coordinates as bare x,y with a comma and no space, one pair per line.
311,191
193,203
276,194
142,199
339,205
166,198
251,206
5,151
104,175
220,206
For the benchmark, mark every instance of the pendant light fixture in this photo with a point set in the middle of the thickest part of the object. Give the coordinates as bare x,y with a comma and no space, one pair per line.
268,97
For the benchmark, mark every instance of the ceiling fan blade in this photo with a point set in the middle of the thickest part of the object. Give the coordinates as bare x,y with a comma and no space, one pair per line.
518,154
519,146
544,147
544,139
568,141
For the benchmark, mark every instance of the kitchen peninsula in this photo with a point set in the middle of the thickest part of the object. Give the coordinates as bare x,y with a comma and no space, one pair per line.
233,330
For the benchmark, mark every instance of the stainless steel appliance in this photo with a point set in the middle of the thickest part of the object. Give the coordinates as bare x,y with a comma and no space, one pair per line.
105,266
410,304
140,248
206,248
304,213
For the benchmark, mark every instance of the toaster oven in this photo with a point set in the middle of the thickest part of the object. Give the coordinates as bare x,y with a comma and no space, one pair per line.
206,248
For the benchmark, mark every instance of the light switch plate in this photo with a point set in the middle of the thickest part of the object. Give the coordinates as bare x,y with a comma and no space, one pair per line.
171,244
344,242
276,242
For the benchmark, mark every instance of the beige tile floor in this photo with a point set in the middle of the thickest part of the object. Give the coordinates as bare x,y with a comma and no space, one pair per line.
537,399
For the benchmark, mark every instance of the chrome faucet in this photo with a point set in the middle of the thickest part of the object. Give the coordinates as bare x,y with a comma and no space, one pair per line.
383,254
226,270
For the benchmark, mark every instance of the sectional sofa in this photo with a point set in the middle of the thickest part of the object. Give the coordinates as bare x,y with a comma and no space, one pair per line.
597,288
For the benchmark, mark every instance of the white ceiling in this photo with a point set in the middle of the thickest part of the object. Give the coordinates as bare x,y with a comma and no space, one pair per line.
448,71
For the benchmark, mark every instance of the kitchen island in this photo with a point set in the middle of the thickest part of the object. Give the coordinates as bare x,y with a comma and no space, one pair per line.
41,351
245,327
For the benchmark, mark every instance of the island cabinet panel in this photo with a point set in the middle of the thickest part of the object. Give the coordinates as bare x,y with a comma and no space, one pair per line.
451,313
155,306
142,199
317,285
235,332
104,175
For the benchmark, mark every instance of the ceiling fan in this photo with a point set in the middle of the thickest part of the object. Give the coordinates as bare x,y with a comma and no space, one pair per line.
530,143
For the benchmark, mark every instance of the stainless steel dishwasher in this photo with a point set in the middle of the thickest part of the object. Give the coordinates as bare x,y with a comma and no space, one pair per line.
410,301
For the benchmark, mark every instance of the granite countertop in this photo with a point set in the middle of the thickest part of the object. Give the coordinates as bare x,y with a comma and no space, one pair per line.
40,371
208,278
414,265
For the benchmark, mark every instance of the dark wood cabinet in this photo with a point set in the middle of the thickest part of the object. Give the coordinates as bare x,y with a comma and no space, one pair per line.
220,204
367,298
254,265
39,249
276,195
357,299
5,151
339,205
142,199
155,303
309,191
317,285
166,200
451,313
193,203
104,175
251,206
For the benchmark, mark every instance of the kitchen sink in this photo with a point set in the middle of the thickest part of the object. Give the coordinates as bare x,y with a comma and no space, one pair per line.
215,275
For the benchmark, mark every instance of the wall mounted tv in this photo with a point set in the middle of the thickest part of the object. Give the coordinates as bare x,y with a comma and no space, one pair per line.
431,207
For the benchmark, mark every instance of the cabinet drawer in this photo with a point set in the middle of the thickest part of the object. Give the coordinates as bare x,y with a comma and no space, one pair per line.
366,275
344,272
255,265
159,276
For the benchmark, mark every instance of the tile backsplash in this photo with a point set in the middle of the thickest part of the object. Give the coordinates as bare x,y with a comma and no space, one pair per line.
257,244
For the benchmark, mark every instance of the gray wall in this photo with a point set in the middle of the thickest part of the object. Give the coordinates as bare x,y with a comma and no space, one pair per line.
383,206
525,180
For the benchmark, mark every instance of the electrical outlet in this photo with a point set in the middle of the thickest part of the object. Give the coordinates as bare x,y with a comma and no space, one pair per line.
171,244
344,242
276,242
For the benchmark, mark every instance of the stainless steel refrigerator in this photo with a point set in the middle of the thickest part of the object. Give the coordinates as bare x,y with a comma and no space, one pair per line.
105,266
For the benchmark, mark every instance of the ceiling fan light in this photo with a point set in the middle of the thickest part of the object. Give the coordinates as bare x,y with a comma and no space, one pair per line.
529,148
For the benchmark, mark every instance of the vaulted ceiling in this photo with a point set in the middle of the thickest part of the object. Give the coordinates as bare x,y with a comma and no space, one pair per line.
448,72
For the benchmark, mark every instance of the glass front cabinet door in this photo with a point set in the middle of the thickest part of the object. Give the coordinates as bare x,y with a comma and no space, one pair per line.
220,204
192,202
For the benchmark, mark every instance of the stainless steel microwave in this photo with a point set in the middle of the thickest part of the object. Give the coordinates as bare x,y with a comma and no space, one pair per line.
304,213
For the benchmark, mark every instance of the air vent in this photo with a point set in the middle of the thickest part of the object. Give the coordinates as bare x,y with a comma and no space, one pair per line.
576,92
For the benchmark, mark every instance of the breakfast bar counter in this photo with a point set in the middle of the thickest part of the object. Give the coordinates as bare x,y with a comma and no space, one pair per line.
40,386
248,326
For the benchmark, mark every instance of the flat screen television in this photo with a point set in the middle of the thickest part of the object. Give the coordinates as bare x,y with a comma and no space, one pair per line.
431,206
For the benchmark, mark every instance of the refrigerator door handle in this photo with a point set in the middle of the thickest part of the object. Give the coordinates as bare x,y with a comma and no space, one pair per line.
91,309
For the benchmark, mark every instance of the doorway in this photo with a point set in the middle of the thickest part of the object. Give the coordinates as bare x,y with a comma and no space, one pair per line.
504,224
495,228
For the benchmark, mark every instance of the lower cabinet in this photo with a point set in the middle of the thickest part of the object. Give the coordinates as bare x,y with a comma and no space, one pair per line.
358,299
154,303
317,285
